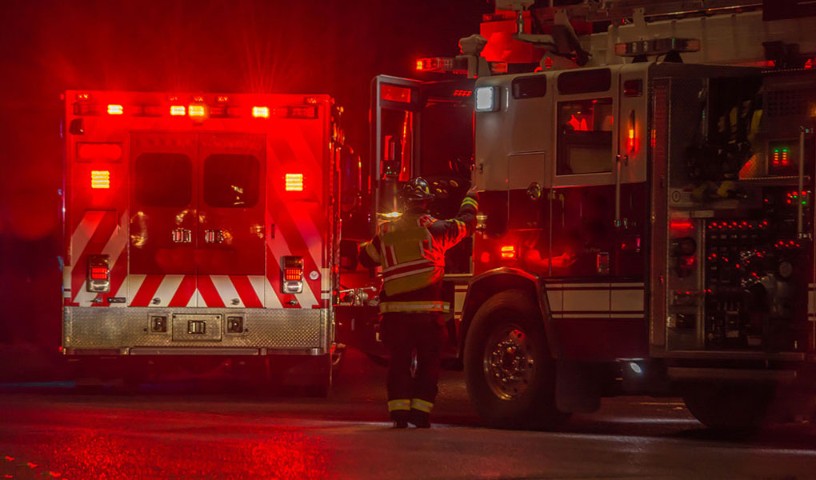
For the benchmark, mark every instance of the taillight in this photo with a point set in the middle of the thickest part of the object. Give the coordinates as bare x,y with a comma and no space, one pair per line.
98,273
292,273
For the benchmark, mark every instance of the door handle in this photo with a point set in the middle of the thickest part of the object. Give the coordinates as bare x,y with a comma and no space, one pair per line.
620,161
213,236
182,235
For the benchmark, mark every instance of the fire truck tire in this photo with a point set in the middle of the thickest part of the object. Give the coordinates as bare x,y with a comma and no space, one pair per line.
509,373
729,406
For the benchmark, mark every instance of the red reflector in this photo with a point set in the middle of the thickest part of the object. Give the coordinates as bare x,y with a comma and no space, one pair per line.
394,93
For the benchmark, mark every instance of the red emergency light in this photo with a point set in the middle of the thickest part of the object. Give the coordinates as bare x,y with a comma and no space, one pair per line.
435,64
395,93
114,109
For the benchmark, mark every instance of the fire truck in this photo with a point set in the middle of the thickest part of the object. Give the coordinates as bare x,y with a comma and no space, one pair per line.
646,222
201,231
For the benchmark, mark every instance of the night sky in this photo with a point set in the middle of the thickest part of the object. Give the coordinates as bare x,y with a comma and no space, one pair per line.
48,46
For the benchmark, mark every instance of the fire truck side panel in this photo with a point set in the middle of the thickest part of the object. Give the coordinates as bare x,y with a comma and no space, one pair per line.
198,223
576,206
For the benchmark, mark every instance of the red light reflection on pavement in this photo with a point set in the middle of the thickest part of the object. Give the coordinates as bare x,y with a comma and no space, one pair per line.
193,451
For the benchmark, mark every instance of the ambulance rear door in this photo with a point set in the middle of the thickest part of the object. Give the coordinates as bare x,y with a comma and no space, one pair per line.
197,220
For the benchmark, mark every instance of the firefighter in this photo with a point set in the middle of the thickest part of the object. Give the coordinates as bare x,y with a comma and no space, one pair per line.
411,251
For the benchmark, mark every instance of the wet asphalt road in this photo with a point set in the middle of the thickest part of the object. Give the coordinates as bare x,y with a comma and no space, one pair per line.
222,429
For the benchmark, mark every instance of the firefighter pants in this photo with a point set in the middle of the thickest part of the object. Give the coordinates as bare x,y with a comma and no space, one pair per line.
406,334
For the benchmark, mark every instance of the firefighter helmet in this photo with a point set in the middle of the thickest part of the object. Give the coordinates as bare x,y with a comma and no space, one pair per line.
417,190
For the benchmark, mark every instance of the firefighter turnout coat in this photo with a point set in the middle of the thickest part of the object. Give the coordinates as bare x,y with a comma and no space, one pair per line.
411,251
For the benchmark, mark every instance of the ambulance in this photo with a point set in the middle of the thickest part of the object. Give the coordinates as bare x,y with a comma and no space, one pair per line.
201,230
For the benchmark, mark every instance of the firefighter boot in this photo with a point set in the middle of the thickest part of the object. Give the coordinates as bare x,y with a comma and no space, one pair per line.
420,419
400,418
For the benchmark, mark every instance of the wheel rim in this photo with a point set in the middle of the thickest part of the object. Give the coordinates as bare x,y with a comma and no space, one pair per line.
508,362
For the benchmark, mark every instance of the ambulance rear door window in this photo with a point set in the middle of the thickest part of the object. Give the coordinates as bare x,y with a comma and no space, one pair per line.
231,180
163,179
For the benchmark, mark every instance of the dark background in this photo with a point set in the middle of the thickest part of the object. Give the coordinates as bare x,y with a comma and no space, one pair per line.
297,46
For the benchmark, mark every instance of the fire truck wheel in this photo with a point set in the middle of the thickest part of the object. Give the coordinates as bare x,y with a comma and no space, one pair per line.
729,406
509,373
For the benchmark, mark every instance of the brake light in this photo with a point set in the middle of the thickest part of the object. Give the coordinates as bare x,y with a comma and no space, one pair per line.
100,179
292,273
260,112
294,182
98,273
178,110
115,109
